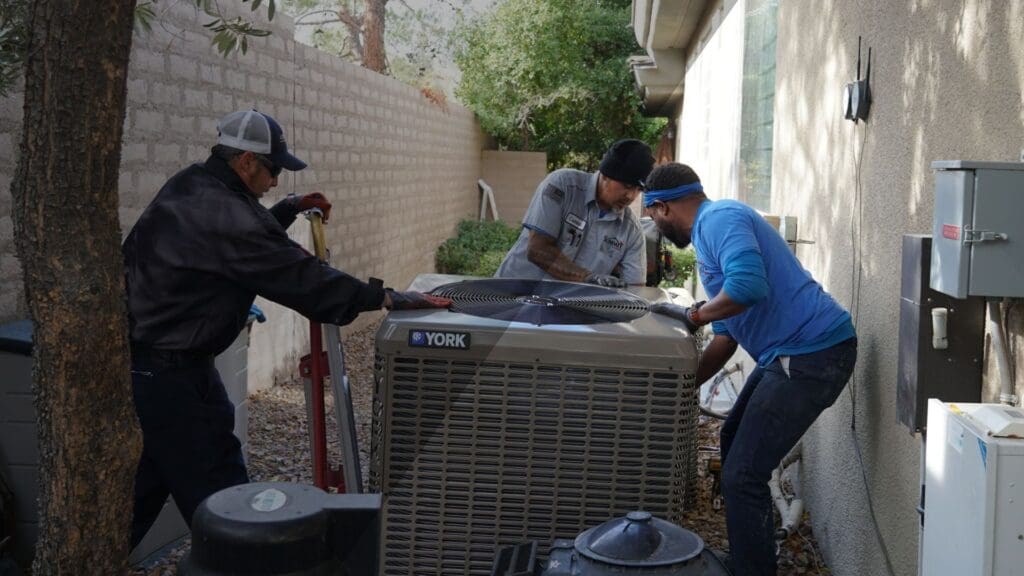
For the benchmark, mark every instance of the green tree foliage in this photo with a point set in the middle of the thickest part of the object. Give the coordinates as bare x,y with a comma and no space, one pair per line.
230,34
683,263
552,75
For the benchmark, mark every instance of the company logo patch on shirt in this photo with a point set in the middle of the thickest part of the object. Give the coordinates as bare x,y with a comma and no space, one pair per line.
555,194
613,243
437,339
575,221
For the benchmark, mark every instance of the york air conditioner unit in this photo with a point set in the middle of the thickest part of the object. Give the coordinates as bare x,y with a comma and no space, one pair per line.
531,410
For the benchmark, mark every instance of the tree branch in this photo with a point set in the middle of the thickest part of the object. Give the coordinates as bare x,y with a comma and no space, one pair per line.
315,12
351,21
318,23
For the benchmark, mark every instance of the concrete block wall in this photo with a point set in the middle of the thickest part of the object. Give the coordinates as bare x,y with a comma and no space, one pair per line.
514,176
12,299
400,170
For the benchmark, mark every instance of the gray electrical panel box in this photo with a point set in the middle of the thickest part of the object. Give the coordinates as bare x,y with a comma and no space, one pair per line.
978,230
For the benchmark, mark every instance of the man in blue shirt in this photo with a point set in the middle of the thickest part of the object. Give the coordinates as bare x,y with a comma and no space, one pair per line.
761,298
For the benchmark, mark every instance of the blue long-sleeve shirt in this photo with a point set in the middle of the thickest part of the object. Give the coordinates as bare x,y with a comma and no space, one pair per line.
788,312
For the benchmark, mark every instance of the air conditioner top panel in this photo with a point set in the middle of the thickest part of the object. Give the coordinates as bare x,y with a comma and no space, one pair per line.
993,420
648,341
428,282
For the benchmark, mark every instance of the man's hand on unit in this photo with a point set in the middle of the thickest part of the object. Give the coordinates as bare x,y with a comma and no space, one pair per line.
606,280
394,300
688,315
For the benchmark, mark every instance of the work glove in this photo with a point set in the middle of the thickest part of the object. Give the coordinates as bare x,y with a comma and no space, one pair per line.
314,200
415,301
606,280
677,312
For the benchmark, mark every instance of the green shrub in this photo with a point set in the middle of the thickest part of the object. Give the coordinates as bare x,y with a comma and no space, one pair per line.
477,249
683,263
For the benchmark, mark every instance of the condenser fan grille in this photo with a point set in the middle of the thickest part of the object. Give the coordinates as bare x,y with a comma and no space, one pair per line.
542,301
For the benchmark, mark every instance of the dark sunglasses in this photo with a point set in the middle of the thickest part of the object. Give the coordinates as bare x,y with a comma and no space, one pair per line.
275,171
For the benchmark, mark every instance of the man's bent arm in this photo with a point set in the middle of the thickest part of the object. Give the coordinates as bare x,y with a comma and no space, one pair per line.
715,356
720,307
285,211
746,284
543,252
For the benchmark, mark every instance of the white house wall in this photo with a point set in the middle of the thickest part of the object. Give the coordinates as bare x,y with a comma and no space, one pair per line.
709,126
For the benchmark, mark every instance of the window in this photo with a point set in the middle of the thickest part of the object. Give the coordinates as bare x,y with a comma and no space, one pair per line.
760,31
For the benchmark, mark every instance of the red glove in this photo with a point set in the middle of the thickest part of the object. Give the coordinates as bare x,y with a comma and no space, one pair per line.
315,200
416,300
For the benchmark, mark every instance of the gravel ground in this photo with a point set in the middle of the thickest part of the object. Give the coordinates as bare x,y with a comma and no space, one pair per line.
278,453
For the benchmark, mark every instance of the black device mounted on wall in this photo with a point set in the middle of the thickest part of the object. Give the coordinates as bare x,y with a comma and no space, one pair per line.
857,94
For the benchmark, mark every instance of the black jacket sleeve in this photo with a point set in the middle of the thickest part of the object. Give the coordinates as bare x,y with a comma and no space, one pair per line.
285,211
263,259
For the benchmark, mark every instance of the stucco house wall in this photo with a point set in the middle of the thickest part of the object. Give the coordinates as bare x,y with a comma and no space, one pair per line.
946,80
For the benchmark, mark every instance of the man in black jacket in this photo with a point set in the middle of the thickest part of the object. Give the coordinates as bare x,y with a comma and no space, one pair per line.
194,263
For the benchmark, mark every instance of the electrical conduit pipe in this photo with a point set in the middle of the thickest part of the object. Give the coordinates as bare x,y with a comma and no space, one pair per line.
790,512
995,327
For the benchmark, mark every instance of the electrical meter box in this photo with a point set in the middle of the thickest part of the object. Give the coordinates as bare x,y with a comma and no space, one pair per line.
978,231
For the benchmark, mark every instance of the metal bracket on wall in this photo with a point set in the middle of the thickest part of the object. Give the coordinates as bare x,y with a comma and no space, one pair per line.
979,236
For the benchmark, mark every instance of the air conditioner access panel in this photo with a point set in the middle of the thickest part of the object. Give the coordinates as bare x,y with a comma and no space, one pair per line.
500,432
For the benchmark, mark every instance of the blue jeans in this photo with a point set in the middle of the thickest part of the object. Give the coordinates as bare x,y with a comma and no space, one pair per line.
189,447
770,416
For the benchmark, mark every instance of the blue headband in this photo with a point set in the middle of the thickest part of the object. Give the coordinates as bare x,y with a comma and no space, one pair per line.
652,196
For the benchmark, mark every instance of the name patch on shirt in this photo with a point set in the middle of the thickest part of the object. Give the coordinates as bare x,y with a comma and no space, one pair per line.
575,221
436,339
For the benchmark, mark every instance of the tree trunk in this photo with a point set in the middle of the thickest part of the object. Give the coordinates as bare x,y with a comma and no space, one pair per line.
68,239
374,56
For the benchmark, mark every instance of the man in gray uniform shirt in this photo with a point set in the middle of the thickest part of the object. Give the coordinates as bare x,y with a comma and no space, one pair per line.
579,226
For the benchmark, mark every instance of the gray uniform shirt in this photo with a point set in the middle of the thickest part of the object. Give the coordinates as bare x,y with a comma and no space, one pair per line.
565,207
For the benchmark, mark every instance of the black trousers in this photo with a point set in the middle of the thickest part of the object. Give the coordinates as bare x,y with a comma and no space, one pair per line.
775,408
189,447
